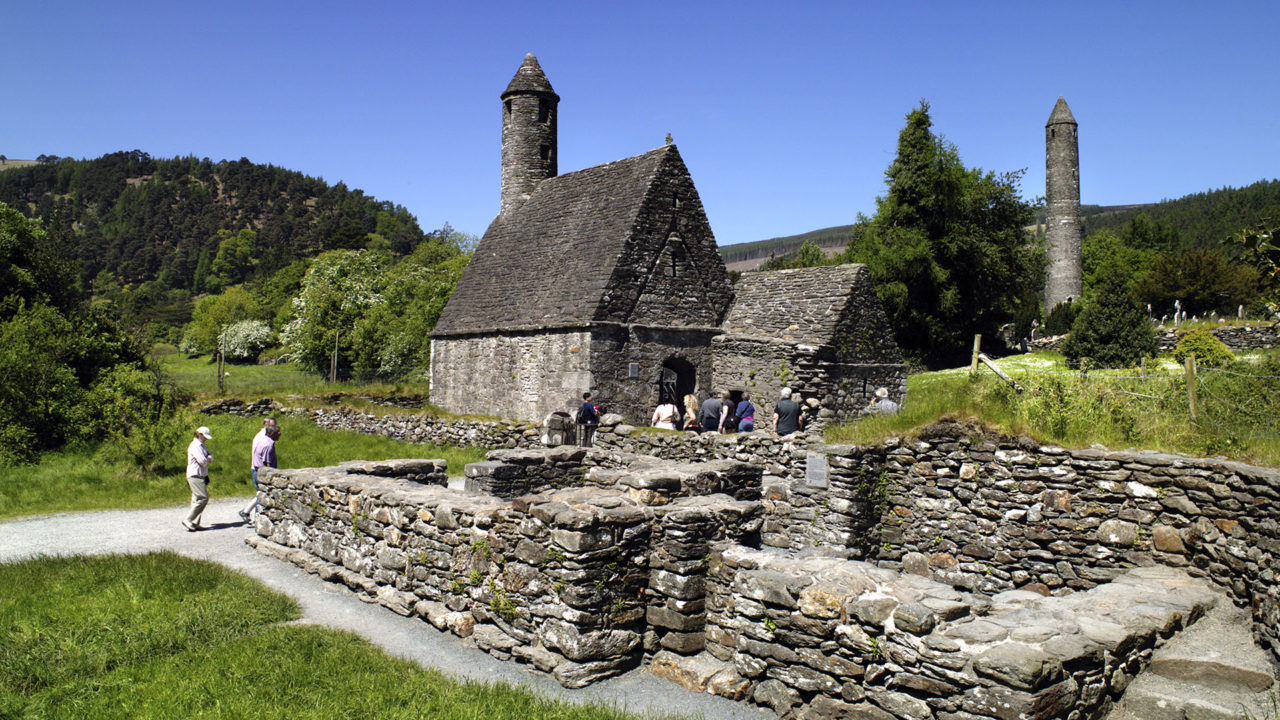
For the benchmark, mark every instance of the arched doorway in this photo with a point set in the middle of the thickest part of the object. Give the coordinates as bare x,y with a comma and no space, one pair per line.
678,378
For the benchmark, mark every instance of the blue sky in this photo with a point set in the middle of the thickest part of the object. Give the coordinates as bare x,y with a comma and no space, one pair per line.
787,114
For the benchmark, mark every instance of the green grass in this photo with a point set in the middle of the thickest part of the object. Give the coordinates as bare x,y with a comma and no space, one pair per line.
89,479
200,376
162,636
1237,417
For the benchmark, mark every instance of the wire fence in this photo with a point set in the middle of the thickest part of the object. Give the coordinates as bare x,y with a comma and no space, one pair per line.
1232,404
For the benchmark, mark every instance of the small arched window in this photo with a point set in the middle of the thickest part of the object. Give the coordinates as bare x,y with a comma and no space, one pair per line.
544,111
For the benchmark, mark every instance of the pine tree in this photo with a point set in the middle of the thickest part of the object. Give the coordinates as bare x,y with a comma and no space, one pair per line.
946,246
1112,330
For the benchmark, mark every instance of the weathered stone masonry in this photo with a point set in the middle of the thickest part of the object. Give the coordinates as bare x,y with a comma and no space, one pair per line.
989,514
608,279
603,560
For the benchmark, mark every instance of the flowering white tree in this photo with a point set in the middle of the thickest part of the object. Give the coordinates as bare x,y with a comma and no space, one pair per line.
340,287
246,339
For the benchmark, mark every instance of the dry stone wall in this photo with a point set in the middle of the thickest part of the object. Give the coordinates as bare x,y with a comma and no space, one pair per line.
989,514
563,579
825,638
428,428
611,559
1239,338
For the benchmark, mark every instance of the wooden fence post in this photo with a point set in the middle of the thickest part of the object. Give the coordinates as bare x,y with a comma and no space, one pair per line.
1191,385
222,361
977,348
333,360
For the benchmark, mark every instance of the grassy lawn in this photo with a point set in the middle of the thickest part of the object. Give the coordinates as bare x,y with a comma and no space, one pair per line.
88,479
1239,406
162,636
200,376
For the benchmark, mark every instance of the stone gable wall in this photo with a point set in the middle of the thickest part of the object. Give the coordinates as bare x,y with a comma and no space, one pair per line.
670,273
615,348
819,331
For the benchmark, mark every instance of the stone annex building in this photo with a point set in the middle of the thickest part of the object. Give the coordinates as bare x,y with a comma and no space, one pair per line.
608,279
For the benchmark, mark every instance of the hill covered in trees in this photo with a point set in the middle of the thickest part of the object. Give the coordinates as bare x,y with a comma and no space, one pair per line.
143,219
1199,220
150,235
1202,219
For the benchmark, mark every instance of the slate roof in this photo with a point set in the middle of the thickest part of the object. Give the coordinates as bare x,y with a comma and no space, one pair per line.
800,306
1061,114
529,79
547,263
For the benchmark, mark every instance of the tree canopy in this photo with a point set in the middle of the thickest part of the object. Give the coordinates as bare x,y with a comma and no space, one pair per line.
192,224
947,246
1111,330
67,371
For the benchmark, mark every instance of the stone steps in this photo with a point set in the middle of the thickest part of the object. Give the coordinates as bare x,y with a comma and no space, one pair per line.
1212,671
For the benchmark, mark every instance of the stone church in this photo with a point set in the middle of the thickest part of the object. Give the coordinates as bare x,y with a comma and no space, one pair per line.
608,279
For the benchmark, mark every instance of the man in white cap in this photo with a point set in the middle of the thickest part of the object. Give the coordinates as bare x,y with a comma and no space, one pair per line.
882,405
198,457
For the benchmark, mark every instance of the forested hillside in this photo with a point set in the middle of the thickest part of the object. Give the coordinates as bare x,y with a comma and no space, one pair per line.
143,219
1202,219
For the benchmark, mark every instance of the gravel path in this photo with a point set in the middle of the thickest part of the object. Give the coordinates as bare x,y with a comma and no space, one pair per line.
138,531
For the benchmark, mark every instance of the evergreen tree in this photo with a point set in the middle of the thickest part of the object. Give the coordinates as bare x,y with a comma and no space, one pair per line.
809,255
946,247
1112,330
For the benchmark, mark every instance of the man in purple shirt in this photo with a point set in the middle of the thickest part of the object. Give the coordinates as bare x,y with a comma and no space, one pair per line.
264,455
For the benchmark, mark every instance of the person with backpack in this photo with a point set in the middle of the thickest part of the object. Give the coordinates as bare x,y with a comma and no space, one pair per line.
588,418
746,413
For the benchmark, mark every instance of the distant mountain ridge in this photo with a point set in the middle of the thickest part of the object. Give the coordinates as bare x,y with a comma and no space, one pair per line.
1200,219
750,255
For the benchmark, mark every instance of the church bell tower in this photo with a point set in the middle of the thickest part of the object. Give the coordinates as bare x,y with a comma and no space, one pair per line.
528,133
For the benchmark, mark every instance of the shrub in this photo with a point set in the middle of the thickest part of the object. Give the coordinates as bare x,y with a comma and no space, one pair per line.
142,414
338,289
1208,349
190,344
1060,318
212,315
1111,330
246,339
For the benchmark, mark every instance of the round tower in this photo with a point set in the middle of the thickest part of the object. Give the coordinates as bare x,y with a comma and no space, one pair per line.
528,133
1064,234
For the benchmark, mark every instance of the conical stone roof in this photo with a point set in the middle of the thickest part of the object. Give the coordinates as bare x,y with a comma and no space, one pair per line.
1061,113
530,79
